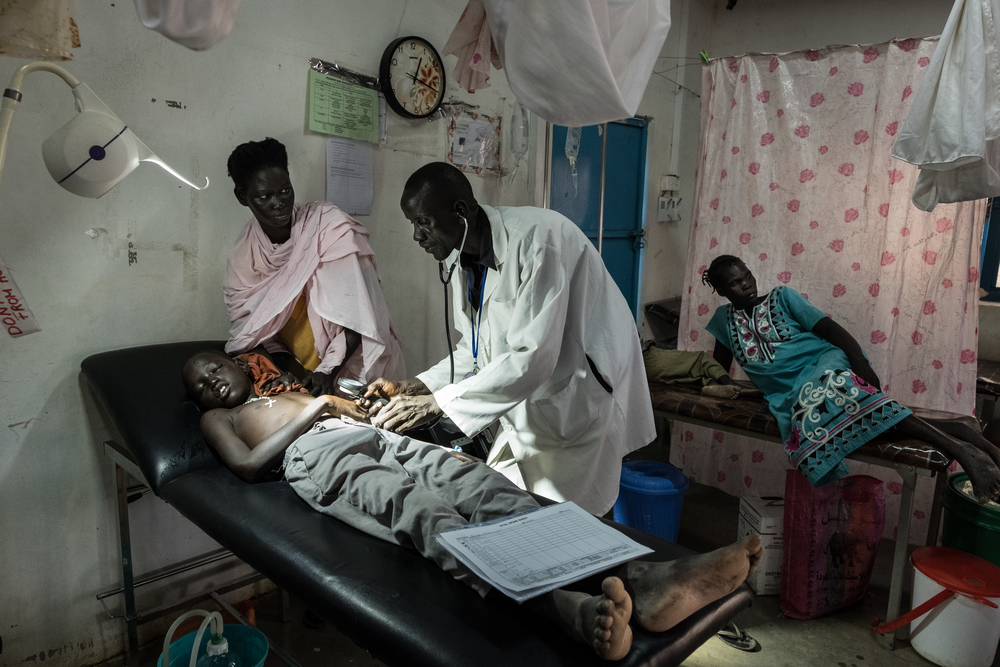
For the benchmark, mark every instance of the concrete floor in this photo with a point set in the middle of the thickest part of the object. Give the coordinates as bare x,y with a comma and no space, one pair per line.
709,520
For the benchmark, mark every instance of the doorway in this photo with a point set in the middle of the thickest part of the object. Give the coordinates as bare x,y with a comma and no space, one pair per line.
620,148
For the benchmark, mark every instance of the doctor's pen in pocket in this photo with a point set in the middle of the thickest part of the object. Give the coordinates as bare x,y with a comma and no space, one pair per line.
443,432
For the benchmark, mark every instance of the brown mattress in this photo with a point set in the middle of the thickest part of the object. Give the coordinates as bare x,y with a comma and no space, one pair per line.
751,417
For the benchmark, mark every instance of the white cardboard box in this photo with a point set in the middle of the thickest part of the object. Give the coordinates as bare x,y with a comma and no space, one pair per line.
764,517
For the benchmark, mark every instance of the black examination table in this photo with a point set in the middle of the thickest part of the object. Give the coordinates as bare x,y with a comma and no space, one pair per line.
387,599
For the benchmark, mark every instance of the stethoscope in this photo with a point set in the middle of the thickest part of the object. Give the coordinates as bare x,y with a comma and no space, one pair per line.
445,278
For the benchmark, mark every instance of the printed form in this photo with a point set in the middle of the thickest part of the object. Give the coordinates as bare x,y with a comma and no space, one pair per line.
541,550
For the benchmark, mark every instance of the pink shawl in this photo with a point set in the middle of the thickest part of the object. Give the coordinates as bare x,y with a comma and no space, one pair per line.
327,256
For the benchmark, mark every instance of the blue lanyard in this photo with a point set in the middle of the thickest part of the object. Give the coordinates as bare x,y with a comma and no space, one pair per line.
472,317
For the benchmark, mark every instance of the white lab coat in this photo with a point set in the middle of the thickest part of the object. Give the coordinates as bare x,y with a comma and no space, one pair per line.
952,131
549,305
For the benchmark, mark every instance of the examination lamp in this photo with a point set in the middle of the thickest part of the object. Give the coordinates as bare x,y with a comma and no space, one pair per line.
93,151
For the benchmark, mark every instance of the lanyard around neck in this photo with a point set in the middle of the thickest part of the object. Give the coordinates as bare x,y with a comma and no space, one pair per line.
472,318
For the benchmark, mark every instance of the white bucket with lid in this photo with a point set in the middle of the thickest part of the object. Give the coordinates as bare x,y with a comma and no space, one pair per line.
961,627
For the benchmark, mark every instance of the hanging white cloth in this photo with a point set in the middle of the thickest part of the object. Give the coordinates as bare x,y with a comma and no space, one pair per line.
472,42
196,24
574,62
953,129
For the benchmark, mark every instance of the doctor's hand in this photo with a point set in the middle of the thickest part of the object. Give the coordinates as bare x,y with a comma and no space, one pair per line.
383,388
406,412
320,383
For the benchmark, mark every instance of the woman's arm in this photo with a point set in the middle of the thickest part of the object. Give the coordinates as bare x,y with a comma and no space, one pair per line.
286,361
837,335
723,355
319,383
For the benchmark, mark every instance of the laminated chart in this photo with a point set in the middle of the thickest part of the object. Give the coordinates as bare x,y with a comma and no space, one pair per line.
341,108
535,552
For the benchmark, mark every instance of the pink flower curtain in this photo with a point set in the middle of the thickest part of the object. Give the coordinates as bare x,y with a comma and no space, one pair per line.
797,180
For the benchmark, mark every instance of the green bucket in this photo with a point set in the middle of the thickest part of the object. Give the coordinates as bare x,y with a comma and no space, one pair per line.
969,526
247,642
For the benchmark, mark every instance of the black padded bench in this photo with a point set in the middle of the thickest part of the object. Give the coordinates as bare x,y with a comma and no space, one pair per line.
387,599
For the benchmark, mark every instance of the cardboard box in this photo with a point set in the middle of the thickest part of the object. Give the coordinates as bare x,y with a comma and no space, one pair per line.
764,517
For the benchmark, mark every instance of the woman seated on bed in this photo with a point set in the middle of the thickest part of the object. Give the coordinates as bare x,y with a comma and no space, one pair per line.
406,492
819,384
301,281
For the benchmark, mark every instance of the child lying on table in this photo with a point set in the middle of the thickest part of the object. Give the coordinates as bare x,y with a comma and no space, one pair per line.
819,384
405,491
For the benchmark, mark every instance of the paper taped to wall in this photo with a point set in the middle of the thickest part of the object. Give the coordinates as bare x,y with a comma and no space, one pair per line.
15,315
350,183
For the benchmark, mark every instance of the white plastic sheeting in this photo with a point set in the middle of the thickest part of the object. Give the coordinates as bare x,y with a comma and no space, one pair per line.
196,24
953,127
573,62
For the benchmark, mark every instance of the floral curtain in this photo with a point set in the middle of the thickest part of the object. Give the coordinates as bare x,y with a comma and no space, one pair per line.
796,179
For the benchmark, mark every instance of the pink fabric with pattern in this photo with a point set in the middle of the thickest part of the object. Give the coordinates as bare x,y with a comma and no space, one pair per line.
813,200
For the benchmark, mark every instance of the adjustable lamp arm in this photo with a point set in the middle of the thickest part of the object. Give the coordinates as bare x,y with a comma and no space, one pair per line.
91,153
12,98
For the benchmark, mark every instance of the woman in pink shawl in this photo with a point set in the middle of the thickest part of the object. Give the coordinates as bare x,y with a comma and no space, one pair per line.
301,281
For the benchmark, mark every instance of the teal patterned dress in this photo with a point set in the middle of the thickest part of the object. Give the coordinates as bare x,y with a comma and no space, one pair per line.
823,409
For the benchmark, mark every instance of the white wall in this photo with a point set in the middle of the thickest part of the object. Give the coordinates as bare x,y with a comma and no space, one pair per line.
58,539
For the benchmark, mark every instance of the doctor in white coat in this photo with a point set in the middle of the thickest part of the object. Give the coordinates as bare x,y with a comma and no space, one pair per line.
548,345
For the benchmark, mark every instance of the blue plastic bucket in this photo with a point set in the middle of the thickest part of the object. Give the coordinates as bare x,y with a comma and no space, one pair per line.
247,642
651,498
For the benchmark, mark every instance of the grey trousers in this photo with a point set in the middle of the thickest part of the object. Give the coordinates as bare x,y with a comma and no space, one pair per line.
401,490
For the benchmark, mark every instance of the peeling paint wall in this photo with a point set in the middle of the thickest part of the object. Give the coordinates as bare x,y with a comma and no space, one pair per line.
144,264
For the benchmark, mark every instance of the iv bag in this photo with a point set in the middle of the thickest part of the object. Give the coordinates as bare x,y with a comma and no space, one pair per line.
518,131
572,151
573,143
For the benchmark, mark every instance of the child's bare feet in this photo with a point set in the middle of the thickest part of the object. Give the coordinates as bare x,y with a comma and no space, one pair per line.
727,391
667,593
599,621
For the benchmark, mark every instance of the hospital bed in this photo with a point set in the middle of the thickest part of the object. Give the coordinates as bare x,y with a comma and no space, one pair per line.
909,458
387,599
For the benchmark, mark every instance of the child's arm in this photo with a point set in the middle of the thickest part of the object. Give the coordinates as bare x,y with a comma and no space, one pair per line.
249,464
837,335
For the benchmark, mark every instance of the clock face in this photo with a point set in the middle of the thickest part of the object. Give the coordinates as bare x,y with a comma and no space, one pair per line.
411,77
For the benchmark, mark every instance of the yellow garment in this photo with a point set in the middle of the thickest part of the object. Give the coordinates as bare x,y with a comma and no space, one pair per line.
297,335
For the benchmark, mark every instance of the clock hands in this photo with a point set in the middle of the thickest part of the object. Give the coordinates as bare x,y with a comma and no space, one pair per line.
416,80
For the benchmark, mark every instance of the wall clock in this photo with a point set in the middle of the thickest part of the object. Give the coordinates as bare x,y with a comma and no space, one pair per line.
411,77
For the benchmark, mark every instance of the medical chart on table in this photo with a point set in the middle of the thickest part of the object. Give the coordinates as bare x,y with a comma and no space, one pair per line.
532,553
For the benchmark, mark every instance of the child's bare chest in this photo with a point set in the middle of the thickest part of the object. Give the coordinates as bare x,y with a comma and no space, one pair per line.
254,421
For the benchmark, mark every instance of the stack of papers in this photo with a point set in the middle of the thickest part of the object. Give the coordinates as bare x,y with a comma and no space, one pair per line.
538,551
